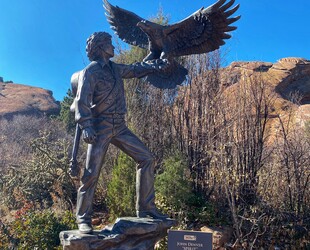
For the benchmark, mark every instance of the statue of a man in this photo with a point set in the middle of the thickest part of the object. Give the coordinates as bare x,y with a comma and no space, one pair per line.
100,109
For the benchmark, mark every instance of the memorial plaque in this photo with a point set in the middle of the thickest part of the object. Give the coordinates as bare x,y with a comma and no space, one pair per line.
189,240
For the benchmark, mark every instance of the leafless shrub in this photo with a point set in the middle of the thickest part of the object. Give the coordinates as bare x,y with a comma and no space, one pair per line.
17,133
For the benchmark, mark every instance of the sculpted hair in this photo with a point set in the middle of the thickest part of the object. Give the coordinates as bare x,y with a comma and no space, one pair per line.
94,43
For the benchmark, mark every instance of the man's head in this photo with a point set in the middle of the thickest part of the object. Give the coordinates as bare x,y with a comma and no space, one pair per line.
99,44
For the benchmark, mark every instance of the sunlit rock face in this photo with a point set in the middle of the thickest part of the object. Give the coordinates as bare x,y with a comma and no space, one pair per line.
18,99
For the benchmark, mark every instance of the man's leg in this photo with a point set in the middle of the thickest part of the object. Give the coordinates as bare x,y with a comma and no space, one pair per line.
134,147
94,161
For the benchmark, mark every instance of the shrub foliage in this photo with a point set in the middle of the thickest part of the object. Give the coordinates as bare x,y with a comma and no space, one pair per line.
122,188
33,229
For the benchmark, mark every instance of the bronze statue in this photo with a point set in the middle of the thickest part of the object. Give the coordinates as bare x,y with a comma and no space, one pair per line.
201,32
100,109
100,105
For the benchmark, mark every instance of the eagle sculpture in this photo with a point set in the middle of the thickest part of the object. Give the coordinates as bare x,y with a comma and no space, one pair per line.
203,31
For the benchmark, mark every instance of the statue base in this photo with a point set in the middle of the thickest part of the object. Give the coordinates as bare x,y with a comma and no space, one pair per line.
128,233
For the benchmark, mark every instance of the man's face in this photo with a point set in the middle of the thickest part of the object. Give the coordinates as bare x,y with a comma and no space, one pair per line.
109,49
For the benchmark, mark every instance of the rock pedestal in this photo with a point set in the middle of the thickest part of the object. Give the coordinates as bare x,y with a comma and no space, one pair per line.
128,233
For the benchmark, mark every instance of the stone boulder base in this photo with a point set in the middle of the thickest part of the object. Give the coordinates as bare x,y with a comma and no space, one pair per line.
128,233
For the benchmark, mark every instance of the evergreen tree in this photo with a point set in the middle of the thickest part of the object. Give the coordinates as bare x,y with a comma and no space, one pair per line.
173,186
65,114
122,188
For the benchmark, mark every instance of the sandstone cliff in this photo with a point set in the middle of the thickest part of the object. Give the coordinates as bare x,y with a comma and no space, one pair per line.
26,100
287,76
287,83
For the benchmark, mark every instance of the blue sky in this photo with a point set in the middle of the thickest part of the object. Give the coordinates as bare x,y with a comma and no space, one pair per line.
42,42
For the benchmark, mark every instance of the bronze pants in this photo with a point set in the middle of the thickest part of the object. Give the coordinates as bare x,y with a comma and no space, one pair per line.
116,132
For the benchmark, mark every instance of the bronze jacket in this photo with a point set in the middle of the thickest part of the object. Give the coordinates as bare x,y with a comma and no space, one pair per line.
100,89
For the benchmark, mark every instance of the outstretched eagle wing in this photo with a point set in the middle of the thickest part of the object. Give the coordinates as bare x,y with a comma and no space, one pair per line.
203,31
124,23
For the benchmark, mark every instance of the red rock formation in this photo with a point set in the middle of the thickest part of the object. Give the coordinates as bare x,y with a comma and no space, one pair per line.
26,100
287,80
287,76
